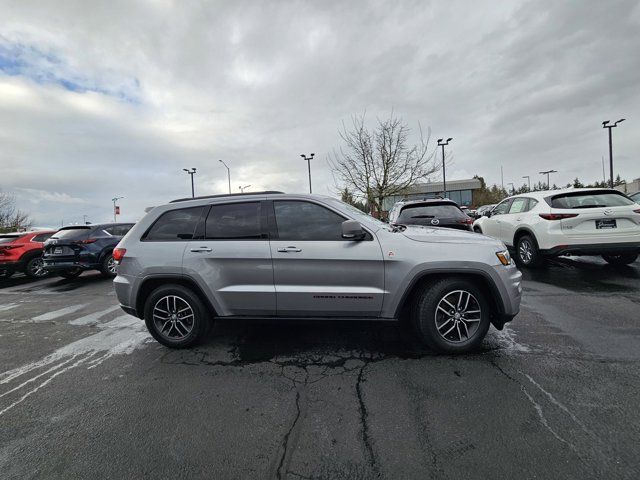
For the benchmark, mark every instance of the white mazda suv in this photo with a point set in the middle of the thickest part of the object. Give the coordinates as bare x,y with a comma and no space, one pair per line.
574,221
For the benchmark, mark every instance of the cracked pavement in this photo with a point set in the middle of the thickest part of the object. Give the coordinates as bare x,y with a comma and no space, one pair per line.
85,392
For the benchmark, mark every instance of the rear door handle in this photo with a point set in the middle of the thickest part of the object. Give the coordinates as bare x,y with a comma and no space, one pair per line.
289,249
201,249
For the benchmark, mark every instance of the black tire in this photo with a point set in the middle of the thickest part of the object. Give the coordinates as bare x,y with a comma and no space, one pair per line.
6,273
621,259
34,268
72,273
177,333
527,253
109,267
431,323
477,230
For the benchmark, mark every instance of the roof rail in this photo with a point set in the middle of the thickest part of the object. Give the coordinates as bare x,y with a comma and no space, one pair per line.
266,192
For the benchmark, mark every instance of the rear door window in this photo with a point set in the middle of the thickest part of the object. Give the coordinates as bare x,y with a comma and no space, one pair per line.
443,210
175,225
518,205
234,221
589,199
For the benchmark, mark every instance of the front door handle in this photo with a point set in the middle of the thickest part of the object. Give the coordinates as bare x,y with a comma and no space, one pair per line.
289,249
201,249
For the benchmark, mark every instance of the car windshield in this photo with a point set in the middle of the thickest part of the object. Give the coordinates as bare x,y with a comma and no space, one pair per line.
8,238
71,232
590,199
441,210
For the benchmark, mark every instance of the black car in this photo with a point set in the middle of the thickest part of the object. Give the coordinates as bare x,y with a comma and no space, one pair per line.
72,250
433,213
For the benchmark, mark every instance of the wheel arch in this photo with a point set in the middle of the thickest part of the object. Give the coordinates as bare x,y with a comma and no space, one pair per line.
151,283
523,231
27,257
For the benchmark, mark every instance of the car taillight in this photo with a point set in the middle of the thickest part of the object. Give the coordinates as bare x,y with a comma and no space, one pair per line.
466,221
557,216
85,241
118,254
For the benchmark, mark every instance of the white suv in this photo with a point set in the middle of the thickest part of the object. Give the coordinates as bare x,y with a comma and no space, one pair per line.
575,221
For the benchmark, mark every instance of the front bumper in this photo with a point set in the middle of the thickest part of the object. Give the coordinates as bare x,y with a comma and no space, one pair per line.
593,249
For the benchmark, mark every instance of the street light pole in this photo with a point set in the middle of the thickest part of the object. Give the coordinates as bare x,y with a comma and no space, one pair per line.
191,172
228,174
114,200
547,172
528,180
609,126
242,189
444,175
308,159
513,188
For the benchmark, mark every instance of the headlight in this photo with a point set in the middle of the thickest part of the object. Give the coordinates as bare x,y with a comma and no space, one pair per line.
504,257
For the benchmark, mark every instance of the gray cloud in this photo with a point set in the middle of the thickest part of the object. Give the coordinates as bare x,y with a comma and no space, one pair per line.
115,98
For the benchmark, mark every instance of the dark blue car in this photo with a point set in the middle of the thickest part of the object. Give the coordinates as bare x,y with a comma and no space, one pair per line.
72,250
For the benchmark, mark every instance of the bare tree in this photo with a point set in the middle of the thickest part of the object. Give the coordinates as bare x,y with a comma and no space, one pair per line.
11,219
380,163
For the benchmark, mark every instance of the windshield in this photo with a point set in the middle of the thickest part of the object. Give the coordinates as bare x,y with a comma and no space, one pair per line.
442,210
590,199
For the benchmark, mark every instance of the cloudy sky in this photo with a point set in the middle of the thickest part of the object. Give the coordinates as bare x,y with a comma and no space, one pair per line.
99,99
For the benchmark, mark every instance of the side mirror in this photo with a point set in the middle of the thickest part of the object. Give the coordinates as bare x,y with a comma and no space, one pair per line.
384,219
352,230
487,213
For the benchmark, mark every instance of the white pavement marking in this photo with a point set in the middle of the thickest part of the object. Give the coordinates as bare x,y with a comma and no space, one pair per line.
9,306
93,318
120,336
58,313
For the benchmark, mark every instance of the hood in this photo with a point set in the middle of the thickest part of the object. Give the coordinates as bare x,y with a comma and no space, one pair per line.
447,235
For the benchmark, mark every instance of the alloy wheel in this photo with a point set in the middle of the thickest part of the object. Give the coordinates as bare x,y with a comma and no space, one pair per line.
525,251
458,316
173,317
111,266
36,268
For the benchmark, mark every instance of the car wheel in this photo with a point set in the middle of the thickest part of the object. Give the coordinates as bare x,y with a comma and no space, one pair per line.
621,259
109,267
35,268
527,253
477,230
176,317
71,273
6,273
451,316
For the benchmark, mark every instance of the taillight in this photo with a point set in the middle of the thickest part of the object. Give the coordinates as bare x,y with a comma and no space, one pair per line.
85,241
118,254
466,221
557,216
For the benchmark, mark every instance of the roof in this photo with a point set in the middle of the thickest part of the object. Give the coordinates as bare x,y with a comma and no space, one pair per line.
224,195
427,201
549,193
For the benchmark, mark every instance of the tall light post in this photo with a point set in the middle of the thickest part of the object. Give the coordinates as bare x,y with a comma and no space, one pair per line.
308,159
609,126
513,188
228,174
191,172
547,172
242,189
115,212
442,143
528,180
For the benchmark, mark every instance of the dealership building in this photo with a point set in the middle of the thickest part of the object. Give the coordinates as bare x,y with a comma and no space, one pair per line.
460,191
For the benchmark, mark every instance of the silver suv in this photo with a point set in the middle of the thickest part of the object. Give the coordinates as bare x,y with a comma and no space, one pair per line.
270,255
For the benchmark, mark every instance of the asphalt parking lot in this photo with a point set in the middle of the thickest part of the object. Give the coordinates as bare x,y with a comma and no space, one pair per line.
85,392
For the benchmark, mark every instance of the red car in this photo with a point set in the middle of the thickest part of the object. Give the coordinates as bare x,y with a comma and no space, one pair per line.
22,251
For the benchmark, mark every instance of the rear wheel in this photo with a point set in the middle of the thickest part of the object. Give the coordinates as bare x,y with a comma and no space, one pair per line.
35,268
477,229
451,316
71,273
176,317
109,267
527,253
621,259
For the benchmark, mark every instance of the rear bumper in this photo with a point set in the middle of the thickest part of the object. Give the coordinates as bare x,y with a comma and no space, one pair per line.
593,249
68,264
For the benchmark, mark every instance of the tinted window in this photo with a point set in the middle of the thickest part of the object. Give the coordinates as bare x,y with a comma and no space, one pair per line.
307,221
118,230
442,210
175,225
42,237
8,238
501,208
234,221
593,199
72,232
518,205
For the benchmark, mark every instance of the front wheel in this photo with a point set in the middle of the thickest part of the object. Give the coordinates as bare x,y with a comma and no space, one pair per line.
35,268
451,316
527,253
621,259
176,317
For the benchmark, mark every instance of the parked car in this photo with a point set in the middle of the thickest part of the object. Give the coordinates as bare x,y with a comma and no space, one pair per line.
278,256
22,252
72,250
635,197
575,221
430,212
